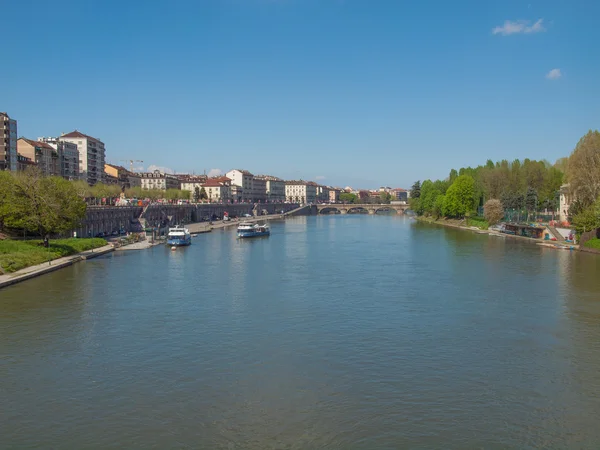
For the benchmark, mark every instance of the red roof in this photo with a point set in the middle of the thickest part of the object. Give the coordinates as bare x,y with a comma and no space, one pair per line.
77,134
212,183
37,143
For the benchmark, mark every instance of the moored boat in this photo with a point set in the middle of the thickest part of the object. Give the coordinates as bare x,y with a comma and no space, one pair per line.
248,230
179,236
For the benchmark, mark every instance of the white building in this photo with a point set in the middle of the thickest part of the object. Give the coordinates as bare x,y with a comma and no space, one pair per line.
68,155
259,190
300,192
274,188
565,202
217,191
92,156
159,180
8,143
244,180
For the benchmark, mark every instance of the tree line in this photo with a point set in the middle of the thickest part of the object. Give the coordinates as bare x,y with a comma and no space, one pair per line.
101,190
528,185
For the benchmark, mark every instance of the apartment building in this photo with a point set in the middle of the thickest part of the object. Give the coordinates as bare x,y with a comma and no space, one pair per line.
217,191
44,155
191,182
92,155
274,188
334,194
23,162
68,156
244,180
300,191
8,143
159,180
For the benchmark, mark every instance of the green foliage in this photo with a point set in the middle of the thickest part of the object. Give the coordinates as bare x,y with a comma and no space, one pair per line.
16,255
429,194
439,208
531,199
583,169
43,205
415,191
593,243
347,197
385,197
587,219
196,194
460,196
203,195
478,222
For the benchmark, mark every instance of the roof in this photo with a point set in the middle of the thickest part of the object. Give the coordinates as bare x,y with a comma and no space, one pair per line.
119,168
37,143
213,183
245,172
221,178
78,134
296,182
268,177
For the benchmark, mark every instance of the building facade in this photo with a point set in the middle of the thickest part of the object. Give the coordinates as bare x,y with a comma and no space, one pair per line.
121,176
44,155
217,191
244,180
259,190
274,188
159,180
300,192
23,162
565,200
399,194
68,156
334,195
8,143
92,156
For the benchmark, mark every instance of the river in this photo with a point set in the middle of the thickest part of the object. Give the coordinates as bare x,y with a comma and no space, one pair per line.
339,332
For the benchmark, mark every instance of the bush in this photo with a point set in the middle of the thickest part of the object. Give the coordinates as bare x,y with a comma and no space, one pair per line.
478,222
493,211
593,243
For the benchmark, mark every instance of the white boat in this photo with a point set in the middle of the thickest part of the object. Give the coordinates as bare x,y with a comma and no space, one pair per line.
247,230
179,236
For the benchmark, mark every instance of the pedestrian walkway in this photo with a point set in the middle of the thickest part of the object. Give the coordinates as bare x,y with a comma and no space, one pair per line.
59,263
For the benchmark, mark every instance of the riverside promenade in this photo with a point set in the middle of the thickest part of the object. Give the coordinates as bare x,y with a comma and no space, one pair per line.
41,269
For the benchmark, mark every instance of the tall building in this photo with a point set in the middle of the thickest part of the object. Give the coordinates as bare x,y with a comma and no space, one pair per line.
243,180
68,156
275,188
43,154
8,143
92,155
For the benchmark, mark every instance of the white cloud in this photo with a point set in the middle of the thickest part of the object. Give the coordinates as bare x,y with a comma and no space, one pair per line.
554,74
214,172
320,178
519,26
152,168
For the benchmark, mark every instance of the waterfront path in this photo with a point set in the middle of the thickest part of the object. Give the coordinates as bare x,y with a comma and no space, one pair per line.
204,227
59,263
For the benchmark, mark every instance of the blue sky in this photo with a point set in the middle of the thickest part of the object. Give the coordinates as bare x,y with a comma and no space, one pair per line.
347,92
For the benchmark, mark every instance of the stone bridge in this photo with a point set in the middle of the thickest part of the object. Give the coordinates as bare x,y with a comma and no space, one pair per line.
357,208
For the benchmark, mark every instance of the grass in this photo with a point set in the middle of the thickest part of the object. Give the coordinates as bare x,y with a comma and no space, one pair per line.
16,255
478,222
593,243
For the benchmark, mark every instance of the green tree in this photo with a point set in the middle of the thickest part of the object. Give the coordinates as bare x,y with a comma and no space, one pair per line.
583,169
385,197
439,208
429,194
493,211
44,205
347,197
203,195
196,194
415,191
531,200
587,219
460,196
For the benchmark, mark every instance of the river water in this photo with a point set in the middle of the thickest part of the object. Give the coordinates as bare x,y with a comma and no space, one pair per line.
339,332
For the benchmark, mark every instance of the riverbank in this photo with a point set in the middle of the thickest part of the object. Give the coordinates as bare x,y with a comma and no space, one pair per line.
51,266
456,223
19,254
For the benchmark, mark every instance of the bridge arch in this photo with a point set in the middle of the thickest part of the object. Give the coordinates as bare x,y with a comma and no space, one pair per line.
330,210
358,210
386,208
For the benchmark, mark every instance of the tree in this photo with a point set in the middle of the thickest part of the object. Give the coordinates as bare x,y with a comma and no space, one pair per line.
460,196
429,194
415,191
196,194
203,195
385,197
493,211
531,200
583,169
347,197
44,205
587,219
439,208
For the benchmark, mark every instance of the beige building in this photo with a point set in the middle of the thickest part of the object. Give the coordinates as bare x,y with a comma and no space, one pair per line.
68,156
565,200
159,180
274,188
8,143
300,192
244,180
217,191
44,155
92,155
121,176
334,194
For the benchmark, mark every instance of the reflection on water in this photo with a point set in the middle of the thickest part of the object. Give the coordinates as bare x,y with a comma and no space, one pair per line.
335,332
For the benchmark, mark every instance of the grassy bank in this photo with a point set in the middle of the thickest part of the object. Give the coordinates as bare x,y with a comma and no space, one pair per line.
16,255
468,222
593,243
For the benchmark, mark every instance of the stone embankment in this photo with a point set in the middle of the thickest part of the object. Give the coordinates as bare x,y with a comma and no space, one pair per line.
41,269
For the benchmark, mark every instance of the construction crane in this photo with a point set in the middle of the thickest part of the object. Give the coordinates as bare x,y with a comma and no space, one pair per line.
131,161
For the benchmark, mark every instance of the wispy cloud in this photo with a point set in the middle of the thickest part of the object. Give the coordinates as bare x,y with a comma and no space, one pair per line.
519,27
152,168
320,177
214,172
554,74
